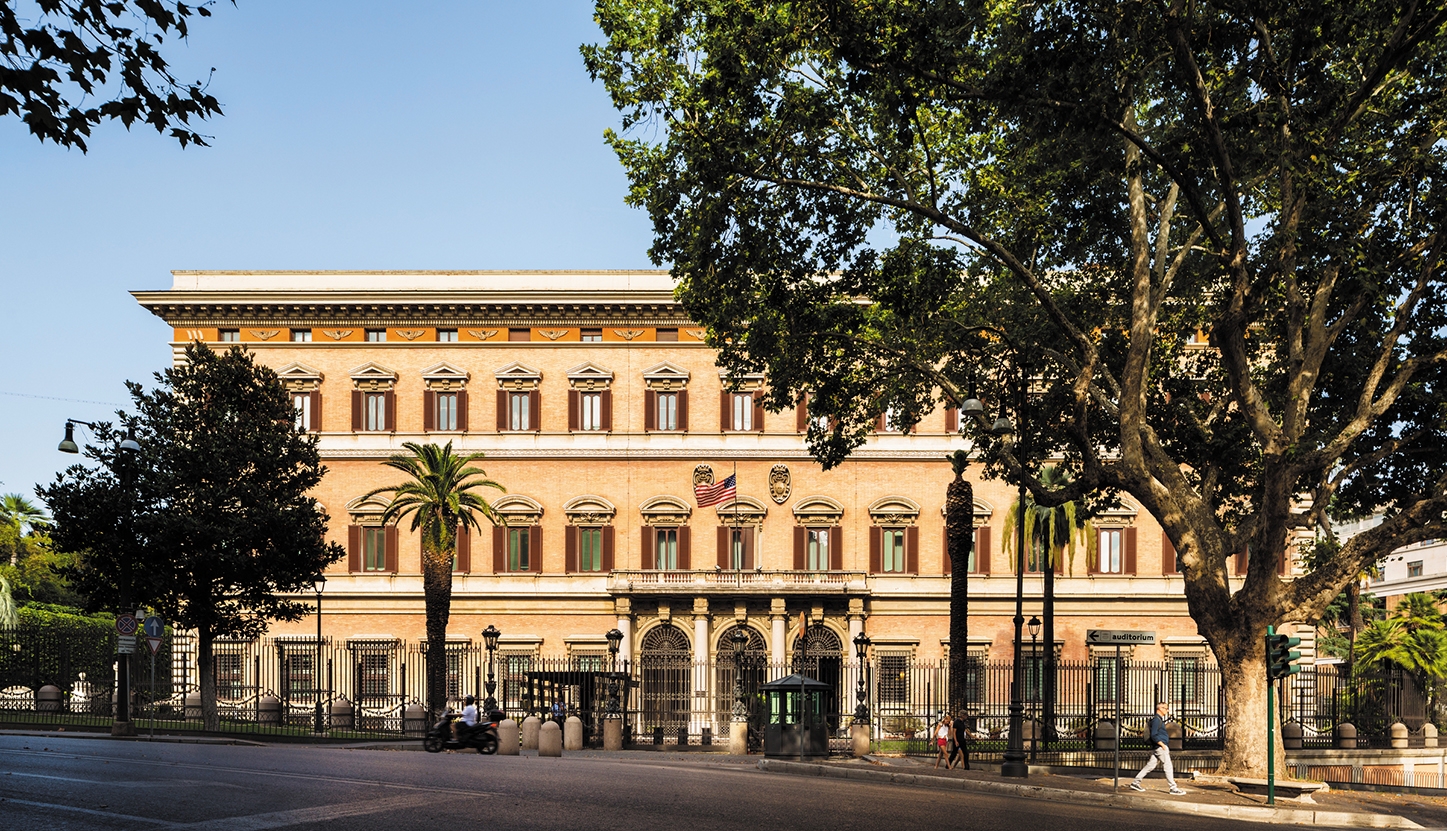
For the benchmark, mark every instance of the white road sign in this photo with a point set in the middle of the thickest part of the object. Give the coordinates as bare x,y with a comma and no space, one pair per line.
1118,637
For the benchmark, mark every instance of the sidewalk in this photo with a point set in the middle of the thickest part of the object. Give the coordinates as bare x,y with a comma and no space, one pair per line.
1205,796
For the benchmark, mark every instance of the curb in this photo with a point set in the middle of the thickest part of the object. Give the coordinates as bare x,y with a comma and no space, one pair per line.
1249,813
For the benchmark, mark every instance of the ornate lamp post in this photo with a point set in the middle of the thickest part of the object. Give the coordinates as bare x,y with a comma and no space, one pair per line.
615,639
318,726
741,642
489,639
1034,627
861,689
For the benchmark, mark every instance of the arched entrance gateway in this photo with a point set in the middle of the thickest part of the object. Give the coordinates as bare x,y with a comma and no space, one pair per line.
819,654
665,667
754,663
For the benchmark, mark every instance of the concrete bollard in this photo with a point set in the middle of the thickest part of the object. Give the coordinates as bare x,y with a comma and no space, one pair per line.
1399,735
1291,735
414,720
342,715
550,739
47,699
1104,735
1175,735
507,737
612,734
268,711
573,733
531,725
1429,735
1345,736
859,739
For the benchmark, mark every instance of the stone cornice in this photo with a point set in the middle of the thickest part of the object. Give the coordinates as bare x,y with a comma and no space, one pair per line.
691,453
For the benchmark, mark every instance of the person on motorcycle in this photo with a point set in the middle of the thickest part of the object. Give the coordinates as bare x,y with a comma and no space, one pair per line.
469,718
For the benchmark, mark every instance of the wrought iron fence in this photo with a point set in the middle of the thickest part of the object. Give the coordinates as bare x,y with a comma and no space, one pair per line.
356,688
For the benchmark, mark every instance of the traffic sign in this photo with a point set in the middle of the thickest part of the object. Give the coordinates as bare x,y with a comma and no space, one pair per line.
126,644
1118,637
155,630
126,624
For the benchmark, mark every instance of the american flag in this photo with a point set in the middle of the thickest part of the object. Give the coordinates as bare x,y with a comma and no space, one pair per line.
713,494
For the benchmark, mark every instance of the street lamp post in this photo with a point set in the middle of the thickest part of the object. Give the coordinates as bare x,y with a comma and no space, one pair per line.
489,638
615,639
319,725
861,689
741,642
1034,627
126,451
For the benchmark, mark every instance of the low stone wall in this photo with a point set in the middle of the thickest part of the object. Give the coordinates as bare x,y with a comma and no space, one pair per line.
1399,767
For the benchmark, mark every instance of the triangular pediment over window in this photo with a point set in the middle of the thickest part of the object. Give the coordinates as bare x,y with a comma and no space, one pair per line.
298,377
518,376
589,375
372,375
445,371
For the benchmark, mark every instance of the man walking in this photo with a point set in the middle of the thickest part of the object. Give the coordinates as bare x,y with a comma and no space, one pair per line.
1160,751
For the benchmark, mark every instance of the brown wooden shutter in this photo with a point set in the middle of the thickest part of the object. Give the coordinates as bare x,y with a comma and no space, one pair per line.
683,410
836,548
535,410
879,423
1241,559
570,549
982,551
801,542
464,549
606,406
1128,567
723,546
462,410
316,411
389,403
876,549
357,413
758,412
501,410
1281,562
1168,555
952,420
948,566
801,414
574,403
649,536
725,422
354,548
499,549
650,410
429,411
683,548
911,550
607,548
748,540
535,548
390,537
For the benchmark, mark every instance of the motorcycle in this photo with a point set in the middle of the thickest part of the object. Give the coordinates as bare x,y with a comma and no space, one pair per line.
482,736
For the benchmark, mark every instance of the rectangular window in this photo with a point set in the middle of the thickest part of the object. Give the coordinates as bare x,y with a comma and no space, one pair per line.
975,534
736,547
518,556
666,557
894,550
302,403
518,415
376,411
817,550
743,407
592,335
375,672
297,665
590,549
894,679
1111,546
1105,678
514,669
301,336
230,675
374,548
228,335
1185,677
520,334
447,336
590,406
667,411
669,334
454,674
892,422
1414,569
446,415
376,335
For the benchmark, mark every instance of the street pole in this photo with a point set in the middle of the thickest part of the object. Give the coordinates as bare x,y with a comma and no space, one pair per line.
1119,699
1014,764
1270,727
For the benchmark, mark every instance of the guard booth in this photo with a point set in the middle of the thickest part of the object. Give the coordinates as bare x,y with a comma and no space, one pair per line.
796,725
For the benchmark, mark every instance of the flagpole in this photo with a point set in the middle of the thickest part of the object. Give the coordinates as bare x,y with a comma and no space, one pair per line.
737,529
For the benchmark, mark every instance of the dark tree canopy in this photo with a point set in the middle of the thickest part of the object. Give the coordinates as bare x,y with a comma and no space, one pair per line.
66,65
1210,233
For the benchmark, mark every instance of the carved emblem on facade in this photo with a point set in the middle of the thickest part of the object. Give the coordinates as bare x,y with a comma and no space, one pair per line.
411,334
697,333
552,334
702,475
627,334
482,334
779,484
337,334
265,334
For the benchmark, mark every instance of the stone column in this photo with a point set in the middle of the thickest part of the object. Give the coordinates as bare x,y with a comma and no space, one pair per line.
778,621
702,712
623,608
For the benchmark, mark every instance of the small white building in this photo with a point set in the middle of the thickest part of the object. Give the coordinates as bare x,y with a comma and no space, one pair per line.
1419,567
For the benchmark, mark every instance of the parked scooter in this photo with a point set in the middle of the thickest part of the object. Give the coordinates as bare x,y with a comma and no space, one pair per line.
482,736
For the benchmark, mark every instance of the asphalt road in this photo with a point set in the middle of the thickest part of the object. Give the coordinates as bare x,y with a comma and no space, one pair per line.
55,784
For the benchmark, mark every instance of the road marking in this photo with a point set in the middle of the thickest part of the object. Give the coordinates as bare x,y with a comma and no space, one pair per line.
50,806
320,813
58,778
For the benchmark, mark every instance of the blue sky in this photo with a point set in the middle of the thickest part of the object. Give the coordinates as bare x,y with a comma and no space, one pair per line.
356,135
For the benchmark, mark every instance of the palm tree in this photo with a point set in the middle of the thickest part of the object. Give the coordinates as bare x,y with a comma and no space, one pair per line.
1413,638
959,535
1051,533
24,515
440,499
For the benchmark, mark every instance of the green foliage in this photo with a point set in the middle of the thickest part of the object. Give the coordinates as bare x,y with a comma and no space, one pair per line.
1413,638
1052,530
23,514
60,61
35,569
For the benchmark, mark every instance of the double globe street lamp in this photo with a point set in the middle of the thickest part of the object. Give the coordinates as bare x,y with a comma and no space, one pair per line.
489,639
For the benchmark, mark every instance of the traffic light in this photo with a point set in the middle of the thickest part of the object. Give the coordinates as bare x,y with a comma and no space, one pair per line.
1280,658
